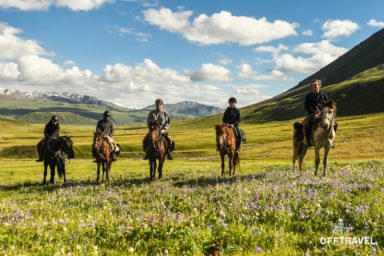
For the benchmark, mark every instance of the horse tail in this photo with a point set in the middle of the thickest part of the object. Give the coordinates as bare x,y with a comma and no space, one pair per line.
236,159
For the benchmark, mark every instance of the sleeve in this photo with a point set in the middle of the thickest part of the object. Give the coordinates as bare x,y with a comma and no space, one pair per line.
326,99
238,119
149,118
307,104
167,121
112,130
46,131
98,128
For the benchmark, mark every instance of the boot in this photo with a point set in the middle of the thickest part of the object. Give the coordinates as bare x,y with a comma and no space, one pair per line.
145,157
113,156
169,155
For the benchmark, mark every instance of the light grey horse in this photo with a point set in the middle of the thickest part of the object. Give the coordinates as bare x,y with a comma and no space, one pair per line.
322,136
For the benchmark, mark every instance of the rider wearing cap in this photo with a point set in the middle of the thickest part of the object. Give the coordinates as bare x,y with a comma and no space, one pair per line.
232,116
51,131
162,118
107,126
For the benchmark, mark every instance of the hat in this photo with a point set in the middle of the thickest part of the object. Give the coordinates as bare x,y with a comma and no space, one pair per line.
55,118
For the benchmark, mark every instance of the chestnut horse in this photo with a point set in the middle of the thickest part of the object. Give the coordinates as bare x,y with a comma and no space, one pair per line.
54,156
102,153
323,135
226,143
156,150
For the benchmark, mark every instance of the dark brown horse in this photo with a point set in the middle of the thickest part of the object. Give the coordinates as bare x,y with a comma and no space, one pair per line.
226,143
101,151
157,150
54,156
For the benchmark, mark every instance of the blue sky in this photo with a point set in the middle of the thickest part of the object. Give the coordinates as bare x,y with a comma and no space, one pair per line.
131,52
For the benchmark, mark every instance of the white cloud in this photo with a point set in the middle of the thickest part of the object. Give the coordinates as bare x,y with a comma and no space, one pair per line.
271,49
211,72
13,47
121,31
75,5
225,61
322,53
219,28
336,28
247,71
376,23
308,32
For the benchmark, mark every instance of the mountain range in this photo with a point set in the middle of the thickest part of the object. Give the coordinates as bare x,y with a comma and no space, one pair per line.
38,107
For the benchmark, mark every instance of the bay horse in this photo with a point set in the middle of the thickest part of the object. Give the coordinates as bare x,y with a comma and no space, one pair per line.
101,151
323,135
157,150
54,155
226,143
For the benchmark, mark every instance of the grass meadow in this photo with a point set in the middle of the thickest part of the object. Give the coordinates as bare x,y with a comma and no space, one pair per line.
267,209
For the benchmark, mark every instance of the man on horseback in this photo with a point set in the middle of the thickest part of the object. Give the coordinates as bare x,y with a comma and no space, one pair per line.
232,116
162,118
51,131
107,127
314,103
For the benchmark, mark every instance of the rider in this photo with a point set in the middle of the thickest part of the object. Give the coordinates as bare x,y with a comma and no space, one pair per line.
314,103
164,121
107,126
232,116
51,131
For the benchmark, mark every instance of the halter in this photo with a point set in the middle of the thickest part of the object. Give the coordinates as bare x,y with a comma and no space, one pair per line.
99,145
330,119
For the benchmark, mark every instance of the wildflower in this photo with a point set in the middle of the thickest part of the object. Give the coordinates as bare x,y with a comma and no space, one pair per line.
131,250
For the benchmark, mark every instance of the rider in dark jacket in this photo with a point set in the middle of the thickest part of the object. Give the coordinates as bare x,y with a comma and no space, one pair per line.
314,103
107,126
232,116
51,131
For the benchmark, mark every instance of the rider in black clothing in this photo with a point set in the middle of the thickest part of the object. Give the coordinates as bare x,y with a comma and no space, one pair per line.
232,116
51,131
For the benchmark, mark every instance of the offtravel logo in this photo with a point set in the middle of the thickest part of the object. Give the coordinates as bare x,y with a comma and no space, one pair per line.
341,240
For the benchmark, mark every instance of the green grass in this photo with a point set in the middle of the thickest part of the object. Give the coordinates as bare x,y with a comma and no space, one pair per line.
265,210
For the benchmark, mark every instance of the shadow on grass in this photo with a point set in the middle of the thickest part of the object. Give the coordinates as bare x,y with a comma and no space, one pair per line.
212,181
38,186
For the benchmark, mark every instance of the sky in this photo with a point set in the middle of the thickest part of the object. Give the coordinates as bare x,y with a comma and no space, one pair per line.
131,52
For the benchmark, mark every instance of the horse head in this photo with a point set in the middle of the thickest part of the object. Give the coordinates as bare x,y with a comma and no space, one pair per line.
154,129
328,115
223,134
67,146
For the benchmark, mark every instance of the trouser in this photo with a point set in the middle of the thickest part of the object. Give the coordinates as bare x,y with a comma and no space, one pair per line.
238,135
307,123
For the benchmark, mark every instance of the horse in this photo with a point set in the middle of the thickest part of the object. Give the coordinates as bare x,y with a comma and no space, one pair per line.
54,156
226,143
157,150
102,153
323,135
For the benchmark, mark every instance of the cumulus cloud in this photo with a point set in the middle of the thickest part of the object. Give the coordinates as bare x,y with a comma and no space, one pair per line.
75,5
376,23
321,54
246,70
308,32
271,49
121,31
337,28
210,72
222,27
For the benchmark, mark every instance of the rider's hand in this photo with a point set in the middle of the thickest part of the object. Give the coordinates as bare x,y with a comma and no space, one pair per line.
162,131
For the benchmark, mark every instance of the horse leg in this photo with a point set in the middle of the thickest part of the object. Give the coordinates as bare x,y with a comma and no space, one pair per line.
325,159
63,169
230,163
107,170
317,161
152,168
103,167
45,172
52,166
160,168
98,172
222,164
